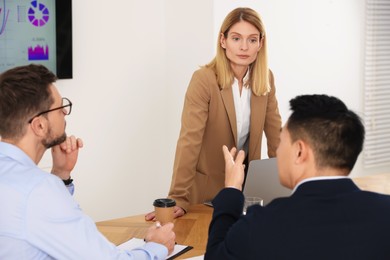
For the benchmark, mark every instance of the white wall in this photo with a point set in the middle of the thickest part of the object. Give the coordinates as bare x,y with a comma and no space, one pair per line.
132,65
315,47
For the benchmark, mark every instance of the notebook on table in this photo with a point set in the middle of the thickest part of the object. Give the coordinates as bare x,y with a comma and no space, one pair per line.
262,181
138,242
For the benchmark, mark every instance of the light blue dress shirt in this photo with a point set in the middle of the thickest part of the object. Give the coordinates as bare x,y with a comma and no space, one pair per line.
39,218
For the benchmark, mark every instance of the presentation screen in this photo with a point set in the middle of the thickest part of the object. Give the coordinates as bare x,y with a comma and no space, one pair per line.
36,31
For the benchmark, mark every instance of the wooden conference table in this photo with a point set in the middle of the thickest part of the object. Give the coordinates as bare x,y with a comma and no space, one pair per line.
192,228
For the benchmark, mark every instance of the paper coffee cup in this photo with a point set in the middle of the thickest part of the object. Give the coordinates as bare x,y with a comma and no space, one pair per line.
164,209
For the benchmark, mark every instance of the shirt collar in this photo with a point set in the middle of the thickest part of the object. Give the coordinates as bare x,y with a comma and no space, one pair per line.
15,153
318,179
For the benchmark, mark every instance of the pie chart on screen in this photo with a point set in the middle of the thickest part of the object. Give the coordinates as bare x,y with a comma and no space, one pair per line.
38,14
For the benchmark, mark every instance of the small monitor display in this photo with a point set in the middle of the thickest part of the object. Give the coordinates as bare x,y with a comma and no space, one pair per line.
36,31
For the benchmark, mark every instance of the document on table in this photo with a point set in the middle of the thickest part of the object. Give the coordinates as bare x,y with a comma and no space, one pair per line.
138,242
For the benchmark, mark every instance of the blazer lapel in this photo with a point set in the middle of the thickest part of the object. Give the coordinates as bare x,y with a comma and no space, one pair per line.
227,98
258,110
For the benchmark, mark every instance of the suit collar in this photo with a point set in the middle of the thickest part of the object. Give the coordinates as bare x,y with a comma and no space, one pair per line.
319,178
258,109
331,186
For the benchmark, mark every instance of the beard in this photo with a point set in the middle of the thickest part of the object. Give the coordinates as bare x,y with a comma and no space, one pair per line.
49,142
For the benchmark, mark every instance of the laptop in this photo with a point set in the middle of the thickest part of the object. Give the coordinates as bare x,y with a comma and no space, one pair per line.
262,181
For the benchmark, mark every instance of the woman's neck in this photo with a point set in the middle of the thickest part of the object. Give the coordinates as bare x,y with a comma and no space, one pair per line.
239,72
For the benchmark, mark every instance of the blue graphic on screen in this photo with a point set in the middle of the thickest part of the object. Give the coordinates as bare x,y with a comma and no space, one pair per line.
4,17
38,14
27,33
38,53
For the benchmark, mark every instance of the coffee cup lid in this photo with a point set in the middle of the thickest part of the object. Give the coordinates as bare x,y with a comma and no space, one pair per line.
164,203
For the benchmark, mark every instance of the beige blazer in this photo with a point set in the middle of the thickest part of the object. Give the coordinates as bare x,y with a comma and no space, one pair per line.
208,122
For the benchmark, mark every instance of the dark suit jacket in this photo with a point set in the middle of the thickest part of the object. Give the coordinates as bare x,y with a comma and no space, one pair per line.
323,219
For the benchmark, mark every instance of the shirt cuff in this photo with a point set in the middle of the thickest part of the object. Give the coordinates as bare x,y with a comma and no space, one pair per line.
70,188
154,250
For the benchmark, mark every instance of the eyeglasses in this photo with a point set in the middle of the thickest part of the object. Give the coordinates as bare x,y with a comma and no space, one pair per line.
66,108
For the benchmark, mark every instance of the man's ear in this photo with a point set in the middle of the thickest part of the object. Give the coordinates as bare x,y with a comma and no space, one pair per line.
39,126
301,151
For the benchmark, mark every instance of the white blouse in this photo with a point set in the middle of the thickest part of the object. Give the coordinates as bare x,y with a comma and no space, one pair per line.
242,104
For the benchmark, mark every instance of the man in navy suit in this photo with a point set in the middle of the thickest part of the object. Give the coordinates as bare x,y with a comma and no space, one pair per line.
327,216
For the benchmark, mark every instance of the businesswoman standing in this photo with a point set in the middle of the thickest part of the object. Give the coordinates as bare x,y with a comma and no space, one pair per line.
230,101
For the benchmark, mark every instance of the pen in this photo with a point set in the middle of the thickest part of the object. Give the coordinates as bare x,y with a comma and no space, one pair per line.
158,225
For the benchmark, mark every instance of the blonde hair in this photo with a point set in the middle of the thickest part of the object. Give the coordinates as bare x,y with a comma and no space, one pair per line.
258,77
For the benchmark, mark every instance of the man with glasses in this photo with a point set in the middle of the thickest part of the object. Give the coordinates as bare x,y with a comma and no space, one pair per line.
39,218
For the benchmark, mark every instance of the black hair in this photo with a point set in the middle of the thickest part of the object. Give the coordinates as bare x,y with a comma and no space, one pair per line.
335,133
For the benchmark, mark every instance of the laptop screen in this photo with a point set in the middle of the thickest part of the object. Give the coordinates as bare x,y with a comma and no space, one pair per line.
262,181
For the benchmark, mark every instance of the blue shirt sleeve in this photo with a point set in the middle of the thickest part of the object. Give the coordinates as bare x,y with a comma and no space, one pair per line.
55,224
145,252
